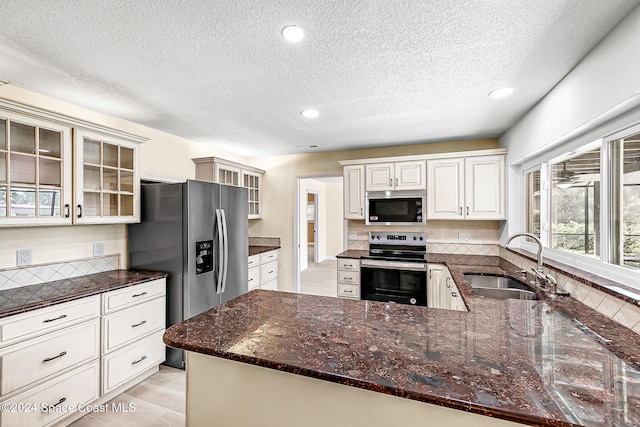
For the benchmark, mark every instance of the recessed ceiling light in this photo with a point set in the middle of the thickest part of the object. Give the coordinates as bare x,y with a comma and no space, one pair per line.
293,33
310,114
501,93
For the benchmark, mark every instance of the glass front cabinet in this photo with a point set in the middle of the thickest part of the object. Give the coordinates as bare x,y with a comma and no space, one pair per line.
53,174
107,179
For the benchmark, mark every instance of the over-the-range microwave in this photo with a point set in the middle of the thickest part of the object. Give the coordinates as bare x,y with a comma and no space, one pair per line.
395,207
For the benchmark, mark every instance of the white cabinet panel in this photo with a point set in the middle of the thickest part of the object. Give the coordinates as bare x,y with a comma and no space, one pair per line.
353,192
254,278
379,176
445,194
126,326
410,175
132,295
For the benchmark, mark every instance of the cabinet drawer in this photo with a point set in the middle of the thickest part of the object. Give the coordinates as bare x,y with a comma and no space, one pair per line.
254,278
128,325
348,277
349,291
35,359
268,272
254,261
124,364
78,387
127,297
28,325
271,285
348,264
268,256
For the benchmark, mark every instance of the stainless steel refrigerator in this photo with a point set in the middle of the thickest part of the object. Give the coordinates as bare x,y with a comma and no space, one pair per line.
197,233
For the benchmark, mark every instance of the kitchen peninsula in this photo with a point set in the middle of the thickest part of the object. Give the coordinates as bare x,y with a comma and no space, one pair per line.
289,359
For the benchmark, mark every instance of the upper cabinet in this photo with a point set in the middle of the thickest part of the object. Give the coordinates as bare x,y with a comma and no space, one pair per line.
215,169
466,188
107,179
353,192
395,176
459,185
38,158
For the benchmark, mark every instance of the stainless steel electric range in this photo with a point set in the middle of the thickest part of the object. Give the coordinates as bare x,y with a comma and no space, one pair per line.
395,269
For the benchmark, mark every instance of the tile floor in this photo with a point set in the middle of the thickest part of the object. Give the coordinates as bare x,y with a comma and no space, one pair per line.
159,401
320,279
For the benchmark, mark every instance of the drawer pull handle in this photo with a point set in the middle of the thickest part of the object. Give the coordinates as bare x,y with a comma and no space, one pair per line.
61,401
62,316
251,280
49,359
271,272
348,278
348,265
453,294
348,291
139,324
139,360
138,295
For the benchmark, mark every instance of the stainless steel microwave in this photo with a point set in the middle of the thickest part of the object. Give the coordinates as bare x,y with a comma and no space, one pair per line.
395,207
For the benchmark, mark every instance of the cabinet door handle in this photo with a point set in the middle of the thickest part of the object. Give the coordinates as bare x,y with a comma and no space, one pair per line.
138,295
430,273
467,210
251,280
61,401
67,210
361,213
453,294
460,210
135,362
49,359
62,316
447,283
396,182
139,324
79,211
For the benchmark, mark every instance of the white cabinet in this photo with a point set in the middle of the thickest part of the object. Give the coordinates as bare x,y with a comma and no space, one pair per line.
107,179
263,271
353,190
133,322
49,178
466,188
215,169
409,175
442,291
349,278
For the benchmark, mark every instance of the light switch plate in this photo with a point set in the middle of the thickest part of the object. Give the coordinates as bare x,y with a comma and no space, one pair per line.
98,249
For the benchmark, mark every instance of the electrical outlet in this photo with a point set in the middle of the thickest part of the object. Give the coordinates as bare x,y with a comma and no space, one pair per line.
23,257
462,237
353,235
98,249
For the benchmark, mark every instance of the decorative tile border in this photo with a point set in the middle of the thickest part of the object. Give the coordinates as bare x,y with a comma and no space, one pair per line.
34,274
617,309
264,241
462,249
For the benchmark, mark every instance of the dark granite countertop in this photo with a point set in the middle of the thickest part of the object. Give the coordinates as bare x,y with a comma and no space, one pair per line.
352,253
255,250
547,362
33,297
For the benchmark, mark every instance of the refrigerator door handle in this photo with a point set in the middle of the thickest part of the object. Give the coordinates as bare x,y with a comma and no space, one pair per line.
226,251
219,267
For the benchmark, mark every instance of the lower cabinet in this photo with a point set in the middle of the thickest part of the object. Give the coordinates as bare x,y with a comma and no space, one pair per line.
78,353
263,271
442,291
349,278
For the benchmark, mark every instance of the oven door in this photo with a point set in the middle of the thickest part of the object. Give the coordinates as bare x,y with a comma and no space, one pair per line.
394,281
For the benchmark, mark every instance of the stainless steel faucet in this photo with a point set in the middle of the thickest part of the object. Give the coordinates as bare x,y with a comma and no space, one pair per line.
539,274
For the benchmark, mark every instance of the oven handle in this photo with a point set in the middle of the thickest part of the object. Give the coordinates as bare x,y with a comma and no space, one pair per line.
393,265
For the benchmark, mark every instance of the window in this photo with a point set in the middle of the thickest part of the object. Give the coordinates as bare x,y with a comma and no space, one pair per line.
575,204
533,202
624,198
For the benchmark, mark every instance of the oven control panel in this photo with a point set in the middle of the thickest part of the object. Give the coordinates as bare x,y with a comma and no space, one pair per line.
384,237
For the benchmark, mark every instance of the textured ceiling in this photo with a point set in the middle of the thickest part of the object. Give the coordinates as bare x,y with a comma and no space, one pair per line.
381,72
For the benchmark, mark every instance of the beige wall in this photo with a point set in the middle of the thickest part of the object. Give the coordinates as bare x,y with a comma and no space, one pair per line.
163,155
335,222
279,188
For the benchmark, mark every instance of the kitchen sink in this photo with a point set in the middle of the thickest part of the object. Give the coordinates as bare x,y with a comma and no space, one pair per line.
495,286
505,293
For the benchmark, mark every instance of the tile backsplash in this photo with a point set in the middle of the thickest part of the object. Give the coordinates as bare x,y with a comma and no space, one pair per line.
35,274
264,241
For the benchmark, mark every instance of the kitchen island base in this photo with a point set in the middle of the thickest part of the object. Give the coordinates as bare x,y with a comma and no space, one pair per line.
224,392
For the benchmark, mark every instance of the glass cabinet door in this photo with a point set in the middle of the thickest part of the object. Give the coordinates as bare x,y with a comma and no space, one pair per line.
251,181
107,179
35,171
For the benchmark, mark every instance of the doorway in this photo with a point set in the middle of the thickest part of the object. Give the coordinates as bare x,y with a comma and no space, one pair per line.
320,234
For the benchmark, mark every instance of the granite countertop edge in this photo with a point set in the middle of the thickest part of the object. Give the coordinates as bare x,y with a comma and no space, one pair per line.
256,250
397,391
106,283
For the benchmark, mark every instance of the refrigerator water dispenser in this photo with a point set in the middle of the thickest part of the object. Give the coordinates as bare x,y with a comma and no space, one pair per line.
204,256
